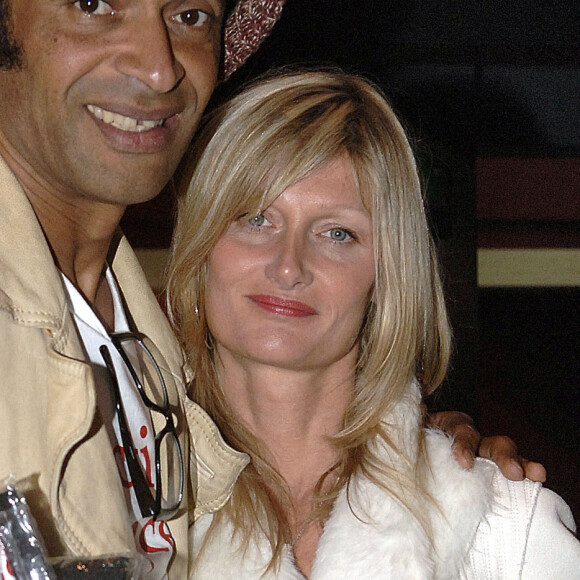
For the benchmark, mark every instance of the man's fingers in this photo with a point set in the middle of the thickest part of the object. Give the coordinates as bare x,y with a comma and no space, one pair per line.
534,470
465,444
500,449
465,437
503,451
448,421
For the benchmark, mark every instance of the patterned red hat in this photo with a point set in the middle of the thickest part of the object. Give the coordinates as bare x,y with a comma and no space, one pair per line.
246,27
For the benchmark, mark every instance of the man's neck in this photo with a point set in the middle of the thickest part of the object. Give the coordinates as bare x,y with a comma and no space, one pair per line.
78,230
80,239
79,235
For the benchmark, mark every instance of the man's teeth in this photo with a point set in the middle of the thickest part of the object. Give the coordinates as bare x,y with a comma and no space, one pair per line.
122,122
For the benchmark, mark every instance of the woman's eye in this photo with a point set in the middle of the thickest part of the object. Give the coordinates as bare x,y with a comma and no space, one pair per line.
339,235
258,221
94,7
193,18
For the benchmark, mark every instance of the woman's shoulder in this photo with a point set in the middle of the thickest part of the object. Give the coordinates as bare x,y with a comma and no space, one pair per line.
521,500
527,532
519,528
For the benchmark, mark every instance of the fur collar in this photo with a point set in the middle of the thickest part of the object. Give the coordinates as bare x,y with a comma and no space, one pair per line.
369,535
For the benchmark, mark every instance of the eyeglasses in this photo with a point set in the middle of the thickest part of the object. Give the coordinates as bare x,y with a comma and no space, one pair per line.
151,379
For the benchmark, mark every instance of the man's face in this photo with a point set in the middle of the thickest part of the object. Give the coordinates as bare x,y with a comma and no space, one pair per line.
109,93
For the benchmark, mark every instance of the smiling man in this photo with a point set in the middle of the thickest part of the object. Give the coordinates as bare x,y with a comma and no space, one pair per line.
99,101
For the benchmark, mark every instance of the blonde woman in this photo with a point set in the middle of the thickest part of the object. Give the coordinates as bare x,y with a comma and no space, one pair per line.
305,290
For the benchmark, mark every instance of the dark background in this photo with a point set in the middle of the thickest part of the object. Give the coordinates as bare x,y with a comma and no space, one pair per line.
478,84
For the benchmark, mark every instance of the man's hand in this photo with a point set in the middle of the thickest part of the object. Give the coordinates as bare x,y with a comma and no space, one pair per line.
500,449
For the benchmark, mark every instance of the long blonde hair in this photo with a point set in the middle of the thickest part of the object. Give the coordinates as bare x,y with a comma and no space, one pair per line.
273,134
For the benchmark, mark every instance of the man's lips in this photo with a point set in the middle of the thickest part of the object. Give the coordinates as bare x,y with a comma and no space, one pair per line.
135,132
282,306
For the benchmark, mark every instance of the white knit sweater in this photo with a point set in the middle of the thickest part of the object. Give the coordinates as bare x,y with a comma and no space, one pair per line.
485,527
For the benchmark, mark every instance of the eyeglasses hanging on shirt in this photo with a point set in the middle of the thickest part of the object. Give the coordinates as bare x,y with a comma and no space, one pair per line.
148,370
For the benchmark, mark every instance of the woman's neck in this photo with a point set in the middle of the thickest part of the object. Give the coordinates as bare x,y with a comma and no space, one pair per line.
293,413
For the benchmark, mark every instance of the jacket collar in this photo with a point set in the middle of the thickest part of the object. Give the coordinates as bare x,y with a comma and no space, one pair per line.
394,545
33,289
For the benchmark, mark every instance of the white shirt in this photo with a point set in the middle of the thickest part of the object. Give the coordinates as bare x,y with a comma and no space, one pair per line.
152,538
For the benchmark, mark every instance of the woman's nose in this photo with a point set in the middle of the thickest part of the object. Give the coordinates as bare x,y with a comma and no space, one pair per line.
289,265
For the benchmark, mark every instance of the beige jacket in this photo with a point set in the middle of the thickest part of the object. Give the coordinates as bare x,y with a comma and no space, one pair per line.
51,438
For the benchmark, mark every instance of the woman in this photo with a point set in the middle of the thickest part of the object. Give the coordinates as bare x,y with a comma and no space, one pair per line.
305,290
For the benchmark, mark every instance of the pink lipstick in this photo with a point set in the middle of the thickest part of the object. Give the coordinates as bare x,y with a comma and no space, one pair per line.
283,307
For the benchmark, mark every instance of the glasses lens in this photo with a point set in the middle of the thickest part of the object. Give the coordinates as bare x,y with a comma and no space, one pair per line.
171,472
150,367
152,375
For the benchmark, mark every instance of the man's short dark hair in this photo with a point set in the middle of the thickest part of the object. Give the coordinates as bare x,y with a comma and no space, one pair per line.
10,51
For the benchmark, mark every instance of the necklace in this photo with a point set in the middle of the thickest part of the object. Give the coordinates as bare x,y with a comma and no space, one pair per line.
303,528
310,519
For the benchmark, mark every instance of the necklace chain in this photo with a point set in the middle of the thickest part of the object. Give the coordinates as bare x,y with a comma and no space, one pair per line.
301,531
310,520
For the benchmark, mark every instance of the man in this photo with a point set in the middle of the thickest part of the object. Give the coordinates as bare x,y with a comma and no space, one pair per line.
98,106
98,102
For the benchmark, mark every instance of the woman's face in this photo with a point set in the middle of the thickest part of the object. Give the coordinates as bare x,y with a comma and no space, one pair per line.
289,288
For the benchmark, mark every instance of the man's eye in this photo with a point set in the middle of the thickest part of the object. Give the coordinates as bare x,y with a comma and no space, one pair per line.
96,7
338,235
193,18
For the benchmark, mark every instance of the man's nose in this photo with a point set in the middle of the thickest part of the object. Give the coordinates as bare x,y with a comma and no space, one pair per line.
289,265
146,54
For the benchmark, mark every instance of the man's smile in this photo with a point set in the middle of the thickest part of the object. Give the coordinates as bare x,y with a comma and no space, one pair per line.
123,122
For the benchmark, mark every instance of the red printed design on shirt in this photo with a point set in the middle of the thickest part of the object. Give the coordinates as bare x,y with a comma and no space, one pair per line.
153,538
6,571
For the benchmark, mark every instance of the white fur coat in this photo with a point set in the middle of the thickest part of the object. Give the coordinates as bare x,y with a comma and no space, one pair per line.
485,527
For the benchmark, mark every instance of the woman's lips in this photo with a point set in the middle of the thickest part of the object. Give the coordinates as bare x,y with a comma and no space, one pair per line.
282,306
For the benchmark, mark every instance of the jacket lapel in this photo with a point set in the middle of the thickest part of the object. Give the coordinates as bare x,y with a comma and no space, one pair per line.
85,479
